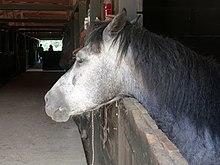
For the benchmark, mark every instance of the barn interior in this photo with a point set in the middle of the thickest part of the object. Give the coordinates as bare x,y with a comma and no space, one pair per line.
24,23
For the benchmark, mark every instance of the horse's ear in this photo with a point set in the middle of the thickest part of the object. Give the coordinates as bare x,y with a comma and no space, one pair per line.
116,25
136,20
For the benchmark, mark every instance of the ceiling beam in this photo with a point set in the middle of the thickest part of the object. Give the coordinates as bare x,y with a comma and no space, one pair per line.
4,27
42,31
38,27
36,1
4,20
46,35
36,7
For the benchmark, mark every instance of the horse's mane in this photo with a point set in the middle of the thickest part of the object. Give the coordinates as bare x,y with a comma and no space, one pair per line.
182,81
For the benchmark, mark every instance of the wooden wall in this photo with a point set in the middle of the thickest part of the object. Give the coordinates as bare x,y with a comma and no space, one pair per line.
196,23
125,134
17,53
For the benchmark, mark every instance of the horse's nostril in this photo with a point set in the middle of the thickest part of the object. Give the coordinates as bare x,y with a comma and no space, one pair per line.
74,80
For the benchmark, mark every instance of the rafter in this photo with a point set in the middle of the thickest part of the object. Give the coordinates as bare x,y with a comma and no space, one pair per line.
39,18
3,20
63,2
42,30
50,7
37,27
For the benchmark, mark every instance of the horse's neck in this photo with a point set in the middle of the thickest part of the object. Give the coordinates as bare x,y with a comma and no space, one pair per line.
150,102
133,84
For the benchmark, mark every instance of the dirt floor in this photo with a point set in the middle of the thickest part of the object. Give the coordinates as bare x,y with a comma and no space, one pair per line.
28,135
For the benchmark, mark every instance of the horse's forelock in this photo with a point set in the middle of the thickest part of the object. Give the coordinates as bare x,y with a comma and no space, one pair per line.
94,35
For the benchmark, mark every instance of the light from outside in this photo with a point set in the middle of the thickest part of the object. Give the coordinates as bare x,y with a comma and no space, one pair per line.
57,44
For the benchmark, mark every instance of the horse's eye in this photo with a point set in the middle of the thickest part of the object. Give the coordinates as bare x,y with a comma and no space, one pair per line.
79,60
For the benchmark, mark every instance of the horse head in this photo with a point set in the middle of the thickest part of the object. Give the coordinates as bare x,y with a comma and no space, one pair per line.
94,79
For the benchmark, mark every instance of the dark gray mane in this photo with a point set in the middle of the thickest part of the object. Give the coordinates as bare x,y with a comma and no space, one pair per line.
185,84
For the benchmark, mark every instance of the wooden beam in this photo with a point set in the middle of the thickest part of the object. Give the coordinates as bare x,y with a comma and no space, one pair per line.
36,1
42,31
95,9
36,7
4,27
4,20
46,35
82,14
33,24
43,12
37,27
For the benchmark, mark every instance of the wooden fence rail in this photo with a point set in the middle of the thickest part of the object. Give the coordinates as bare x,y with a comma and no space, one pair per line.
125,134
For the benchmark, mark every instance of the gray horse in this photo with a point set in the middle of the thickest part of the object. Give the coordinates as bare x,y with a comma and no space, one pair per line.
180,89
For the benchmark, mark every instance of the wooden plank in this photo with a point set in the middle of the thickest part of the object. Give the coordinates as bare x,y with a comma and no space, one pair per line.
46,36
76,32
38,1
82,14
139,5
4,20
36,24
41,30
95,9
50,7
37,27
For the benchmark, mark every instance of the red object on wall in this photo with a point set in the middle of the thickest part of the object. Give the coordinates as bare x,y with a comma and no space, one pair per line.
107,8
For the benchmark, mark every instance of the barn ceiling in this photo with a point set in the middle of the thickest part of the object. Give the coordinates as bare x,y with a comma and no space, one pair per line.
38,18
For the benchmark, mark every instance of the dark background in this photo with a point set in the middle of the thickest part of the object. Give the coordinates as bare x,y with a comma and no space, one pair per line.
195,23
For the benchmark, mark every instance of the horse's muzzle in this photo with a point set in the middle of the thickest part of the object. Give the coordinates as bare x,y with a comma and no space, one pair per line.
58,114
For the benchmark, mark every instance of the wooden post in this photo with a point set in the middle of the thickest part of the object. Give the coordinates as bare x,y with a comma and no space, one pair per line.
82,14
76,30
95,9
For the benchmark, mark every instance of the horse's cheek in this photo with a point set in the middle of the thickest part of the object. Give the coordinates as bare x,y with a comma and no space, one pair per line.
92,83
